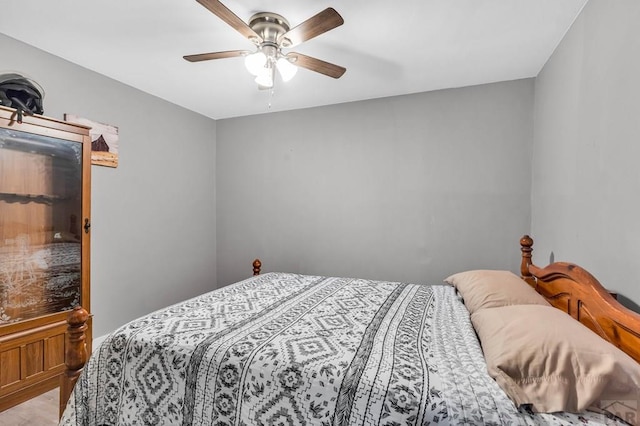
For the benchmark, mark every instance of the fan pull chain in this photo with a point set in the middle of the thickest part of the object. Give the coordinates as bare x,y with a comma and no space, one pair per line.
271,92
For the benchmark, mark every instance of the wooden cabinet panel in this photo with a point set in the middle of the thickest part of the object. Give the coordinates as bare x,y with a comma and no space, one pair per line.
34,358
54,352
28,358
9,367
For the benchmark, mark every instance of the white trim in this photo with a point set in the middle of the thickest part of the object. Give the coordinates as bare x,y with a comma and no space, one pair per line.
97,342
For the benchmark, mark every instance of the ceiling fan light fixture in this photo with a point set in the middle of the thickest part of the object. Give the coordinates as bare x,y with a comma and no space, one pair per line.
286,69
255,62
271,33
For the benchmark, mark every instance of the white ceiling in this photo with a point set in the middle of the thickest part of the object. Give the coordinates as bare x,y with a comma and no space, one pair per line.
389,48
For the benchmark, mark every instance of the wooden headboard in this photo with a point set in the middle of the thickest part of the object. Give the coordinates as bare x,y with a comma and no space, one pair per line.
575,291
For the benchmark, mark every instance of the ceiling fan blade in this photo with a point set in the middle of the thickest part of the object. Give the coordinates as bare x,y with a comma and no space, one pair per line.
216,55
318,24
316,65
222,12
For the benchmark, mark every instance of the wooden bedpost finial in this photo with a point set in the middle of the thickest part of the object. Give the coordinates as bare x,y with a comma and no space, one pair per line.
256,267
526,247
75,356
526,242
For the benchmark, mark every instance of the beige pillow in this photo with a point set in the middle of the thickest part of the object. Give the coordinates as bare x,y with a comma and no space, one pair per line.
490,289
541,356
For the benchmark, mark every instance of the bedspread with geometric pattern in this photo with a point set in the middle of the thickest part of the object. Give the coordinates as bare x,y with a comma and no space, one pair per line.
299,350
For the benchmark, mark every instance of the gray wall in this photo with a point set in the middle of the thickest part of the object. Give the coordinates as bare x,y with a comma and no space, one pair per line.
586,178
153,233
409,188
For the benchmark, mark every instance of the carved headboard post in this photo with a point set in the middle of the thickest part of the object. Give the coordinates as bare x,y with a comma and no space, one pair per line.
256,267
526,247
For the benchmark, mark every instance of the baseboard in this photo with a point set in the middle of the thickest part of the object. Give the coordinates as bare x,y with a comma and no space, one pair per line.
98,341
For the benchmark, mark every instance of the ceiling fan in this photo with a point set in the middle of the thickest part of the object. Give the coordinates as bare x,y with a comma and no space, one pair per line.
271,33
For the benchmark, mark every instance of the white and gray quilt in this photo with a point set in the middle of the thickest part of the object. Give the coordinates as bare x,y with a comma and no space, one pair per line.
286,349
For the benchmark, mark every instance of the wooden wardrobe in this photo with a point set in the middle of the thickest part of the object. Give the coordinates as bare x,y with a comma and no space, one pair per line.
45,183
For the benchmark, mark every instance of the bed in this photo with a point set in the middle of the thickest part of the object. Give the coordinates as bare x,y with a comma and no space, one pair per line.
292,349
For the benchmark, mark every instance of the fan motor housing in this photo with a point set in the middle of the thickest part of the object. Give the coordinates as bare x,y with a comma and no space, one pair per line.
269,26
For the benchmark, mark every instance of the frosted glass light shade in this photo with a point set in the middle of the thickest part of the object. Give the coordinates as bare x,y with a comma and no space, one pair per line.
287,69
265,78
255,62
